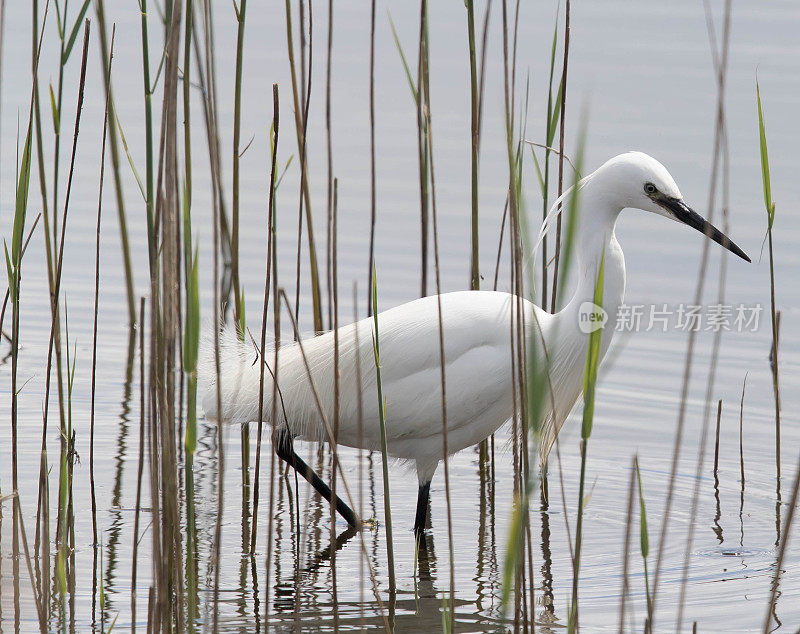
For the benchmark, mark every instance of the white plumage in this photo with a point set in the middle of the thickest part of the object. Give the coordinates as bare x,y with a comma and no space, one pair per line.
477,341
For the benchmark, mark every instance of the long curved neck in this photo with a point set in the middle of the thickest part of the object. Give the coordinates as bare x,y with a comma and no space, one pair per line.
595,242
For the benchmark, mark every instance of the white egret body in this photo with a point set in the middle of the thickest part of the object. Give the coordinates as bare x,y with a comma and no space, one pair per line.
477,329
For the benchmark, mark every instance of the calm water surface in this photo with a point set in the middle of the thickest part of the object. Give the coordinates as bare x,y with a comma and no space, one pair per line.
643,73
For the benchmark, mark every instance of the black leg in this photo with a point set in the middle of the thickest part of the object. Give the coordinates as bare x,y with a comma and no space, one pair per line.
422,508
284,447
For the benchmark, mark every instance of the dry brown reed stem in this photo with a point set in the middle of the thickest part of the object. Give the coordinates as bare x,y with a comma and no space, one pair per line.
140,469
55,334
741,429
55,331
221,245
773,361
329,438
301,124
500,244
206,78
171,587
562,122
336,397
482,71
63,522
96,310
725,178
276,312
721,68
329,149
269,273
716,440
360,416
626,551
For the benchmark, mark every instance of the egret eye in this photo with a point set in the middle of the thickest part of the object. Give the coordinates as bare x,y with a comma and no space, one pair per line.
649,188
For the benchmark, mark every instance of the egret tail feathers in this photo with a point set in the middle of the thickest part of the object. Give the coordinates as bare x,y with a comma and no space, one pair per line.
236,400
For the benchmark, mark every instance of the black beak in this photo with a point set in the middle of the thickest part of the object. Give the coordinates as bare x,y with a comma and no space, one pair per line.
685,214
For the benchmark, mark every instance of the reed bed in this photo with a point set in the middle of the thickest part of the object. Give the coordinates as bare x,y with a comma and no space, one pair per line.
176,549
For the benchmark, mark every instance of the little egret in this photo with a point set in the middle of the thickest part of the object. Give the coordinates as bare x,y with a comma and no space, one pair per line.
477,349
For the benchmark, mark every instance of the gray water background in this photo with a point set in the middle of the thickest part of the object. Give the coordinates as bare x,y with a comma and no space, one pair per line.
643,73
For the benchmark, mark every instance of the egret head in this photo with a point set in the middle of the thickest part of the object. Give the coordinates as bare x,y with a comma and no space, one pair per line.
641,182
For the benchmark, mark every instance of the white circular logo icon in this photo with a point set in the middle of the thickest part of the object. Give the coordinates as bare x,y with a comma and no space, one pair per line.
591,317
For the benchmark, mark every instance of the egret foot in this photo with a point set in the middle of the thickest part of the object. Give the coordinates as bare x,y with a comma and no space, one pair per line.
284,447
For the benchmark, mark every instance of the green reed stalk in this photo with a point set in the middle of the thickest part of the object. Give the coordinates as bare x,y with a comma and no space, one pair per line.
187,87
769,205
448,613
519,519
422,142
241,14
238,292
140,468
43,500
51,253
589,384
372,191
191,341
115,164
475,276
551,123
271,274
387,511
14,266
423,157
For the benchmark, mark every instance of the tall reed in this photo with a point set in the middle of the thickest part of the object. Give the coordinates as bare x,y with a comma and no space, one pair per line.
589,385
720,58
301,124
387,511
105,56
644,544
475,275
769,205
14,270
562,89
93,494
